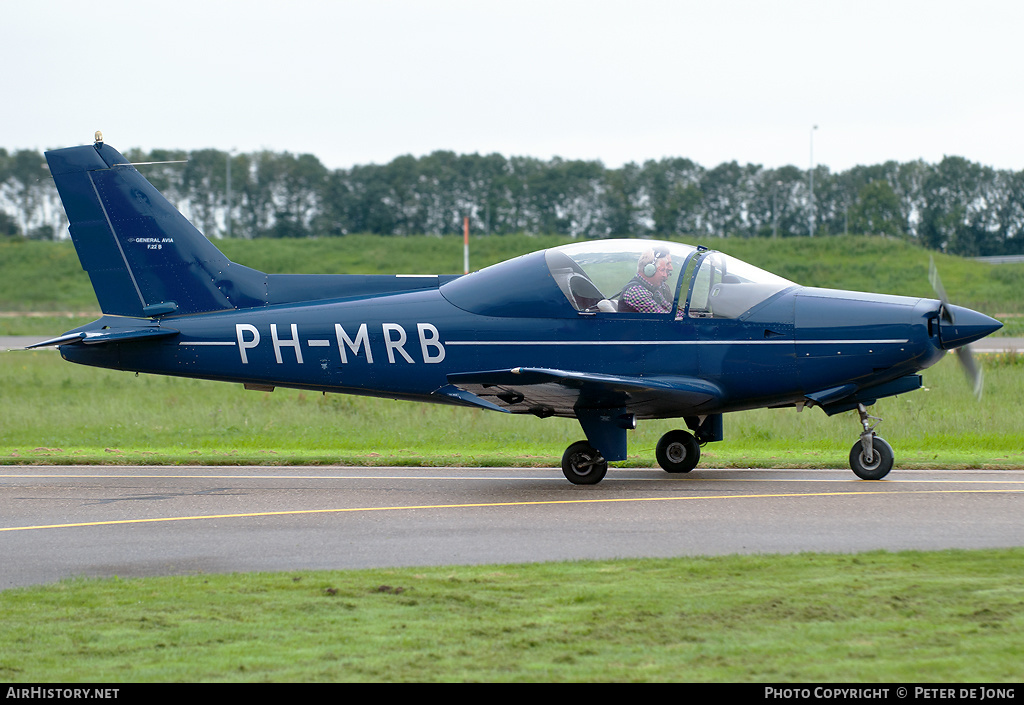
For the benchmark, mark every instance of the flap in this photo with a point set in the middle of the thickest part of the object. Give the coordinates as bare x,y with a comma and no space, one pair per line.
550,392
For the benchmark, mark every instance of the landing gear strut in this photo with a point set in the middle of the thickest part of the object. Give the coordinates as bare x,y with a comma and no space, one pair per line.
871,457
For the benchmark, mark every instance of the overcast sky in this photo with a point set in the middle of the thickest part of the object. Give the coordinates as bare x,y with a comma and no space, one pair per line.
365,81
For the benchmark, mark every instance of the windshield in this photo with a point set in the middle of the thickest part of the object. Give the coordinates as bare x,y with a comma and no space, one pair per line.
725,287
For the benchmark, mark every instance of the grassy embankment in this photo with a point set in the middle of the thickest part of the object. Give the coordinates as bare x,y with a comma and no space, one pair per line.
57,412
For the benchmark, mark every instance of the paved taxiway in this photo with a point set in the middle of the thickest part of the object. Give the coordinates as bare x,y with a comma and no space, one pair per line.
58,522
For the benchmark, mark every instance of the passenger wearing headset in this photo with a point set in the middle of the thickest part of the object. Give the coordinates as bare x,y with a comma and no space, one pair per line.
648,292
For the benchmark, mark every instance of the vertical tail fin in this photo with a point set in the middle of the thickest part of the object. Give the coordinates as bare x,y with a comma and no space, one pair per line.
144,258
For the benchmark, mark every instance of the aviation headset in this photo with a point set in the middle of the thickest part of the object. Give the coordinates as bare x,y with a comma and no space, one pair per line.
651,268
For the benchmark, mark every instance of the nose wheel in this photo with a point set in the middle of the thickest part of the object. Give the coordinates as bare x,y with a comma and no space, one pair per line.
871,457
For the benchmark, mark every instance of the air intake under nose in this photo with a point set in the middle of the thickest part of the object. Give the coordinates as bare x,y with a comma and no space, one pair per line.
960,326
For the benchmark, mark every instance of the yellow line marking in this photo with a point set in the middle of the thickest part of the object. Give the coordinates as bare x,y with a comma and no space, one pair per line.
606,500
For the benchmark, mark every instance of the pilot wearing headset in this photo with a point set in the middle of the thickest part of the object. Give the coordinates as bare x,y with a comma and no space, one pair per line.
648,291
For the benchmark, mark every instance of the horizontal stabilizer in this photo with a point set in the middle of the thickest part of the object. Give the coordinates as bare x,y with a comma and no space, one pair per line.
110,335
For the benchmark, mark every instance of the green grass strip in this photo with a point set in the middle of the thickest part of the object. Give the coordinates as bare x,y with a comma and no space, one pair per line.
941,617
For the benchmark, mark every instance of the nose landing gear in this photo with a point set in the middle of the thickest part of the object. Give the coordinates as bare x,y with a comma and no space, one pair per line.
871,457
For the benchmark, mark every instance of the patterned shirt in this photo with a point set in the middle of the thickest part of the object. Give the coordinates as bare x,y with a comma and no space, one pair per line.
640,297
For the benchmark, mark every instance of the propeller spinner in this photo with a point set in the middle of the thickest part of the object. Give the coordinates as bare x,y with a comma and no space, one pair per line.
958,327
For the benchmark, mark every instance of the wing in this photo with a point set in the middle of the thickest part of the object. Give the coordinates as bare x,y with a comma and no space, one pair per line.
548,392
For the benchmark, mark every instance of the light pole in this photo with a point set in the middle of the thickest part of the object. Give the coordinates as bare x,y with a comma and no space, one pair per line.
811,173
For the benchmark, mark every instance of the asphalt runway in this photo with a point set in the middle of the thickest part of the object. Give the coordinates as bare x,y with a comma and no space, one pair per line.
60,522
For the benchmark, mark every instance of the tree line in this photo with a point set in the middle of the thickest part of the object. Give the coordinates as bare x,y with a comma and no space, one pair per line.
956,206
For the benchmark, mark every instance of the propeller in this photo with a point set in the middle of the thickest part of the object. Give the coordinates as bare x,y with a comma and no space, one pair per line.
948,315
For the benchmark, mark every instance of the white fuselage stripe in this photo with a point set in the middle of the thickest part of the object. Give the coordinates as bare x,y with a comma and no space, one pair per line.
893,341
882,341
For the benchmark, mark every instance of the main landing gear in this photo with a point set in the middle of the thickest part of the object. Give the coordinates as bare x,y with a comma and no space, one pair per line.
871,457
677,452
582,464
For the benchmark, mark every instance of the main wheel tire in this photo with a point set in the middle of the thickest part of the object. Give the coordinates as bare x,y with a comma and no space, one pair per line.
678,451
583,465
880,465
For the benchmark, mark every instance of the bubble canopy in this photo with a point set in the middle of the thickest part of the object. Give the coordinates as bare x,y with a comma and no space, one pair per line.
591,276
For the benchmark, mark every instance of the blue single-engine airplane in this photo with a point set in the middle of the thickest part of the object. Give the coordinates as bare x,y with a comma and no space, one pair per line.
609,332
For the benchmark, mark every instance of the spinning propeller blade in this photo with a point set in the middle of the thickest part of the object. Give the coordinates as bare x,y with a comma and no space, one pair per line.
963,353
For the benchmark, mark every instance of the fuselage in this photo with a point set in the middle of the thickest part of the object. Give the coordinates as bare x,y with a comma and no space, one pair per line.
404,345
